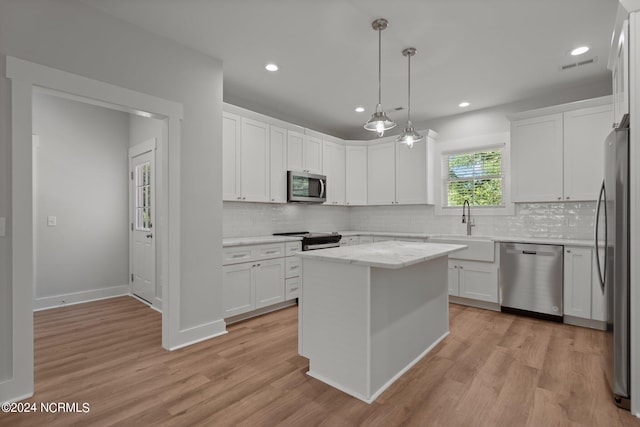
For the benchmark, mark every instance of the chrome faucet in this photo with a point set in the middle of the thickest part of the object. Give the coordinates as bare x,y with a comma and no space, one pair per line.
466,219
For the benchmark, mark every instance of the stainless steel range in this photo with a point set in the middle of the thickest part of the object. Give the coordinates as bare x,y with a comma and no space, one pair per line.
312,241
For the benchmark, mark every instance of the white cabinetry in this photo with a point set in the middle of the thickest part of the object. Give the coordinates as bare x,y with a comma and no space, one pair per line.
536,157
620,75
356,175
253,277
577,282
473,280
304,153
278,165
584,302
293,280
556,157
230,156
398,174
333,160
584,133
246,159
381,169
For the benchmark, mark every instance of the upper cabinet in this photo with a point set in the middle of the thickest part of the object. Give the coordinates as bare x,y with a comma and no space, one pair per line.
356,175
398,174
278,165
333,159
620,75
304,153
558,157
245,145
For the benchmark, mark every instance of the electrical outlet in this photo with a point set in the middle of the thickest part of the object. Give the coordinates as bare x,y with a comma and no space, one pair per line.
52,221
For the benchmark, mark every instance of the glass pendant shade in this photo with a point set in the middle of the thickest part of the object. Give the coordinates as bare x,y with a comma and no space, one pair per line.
379,122
409,136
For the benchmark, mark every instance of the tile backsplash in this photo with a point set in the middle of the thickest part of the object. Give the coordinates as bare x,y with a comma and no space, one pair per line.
573,220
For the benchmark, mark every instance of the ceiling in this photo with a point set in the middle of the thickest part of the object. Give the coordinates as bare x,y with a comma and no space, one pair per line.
488,52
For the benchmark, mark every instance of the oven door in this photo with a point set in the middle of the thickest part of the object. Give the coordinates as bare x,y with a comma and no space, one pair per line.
306,187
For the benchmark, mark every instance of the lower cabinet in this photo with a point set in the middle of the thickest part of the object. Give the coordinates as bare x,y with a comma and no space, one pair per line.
473,280
252,285
583,297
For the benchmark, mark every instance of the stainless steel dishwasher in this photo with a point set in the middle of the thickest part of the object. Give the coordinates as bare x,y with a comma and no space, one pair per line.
531,279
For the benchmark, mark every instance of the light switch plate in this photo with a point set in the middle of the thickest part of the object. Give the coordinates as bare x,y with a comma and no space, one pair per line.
51,221
3,226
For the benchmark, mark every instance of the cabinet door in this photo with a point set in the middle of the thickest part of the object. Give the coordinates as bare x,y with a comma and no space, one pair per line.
278,165
381,172
584,133
536,159
452,278
411,173
295,159
269,282
577,282
312,152
478,280
338,174
254,161
230,156
327,164
237,289
356,175
620,76
598,301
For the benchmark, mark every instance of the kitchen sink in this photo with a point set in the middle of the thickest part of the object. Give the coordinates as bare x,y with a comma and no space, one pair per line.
479,248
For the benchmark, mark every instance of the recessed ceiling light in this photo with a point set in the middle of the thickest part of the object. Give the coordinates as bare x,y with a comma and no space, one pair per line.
359,109
579,50
271,67
463,104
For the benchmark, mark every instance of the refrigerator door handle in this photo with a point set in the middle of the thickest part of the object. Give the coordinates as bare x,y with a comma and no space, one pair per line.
602,272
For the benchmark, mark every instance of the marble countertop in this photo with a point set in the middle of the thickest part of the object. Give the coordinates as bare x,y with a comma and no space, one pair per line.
390,254
511,239
257,240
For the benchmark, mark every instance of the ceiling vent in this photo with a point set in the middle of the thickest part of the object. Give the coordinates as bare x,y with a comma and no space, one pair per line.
578,64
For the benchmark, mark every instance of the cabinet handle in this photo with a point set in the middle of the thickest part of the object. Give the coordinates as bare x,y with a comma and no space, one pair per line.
239,256
568,251
568,197
273,200
455,266
294,267
293,289
614,125
244,198
460,267
272,252
559,198
239,198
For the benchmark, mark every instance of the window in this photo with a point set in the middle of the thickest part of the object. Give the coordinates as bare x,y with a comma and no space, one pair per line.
143,196
476,176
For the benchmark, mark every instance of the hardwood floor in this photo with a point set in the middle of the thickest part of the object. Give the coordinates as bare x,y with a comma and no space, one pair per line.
494,369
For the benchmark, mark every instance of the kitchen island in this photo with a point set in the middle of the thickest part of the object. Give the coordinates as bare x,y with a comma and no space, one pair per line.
370,312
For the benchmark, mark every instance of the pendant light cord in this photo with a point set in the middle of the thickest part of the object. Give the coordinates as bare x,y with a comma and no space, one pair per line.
379,66
409,90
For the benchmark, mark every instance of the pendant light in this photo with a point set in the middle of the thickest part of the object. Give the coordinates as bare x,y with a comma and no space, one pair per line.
409,135
379,122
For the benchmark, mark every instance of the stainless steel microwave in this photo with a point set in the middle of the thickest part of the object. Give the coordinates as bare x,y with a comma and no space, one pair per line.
306,187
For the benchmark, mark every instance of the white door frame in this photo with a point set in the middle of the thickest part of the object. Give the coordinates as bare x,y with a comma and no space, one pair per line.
24,76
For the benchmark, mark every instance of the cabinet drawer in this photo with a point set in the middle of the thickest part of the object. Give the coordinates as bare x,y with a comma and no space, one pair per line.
292,247
292,266
236,255
268,251
293,287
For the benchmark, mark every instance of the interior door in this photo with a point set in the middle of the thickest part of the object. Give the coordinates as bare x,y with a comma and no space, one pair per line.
143,248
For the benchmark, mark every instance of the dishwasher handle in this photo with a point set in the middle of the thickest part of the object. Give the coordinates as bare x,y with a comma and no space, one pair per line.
511,251
530,252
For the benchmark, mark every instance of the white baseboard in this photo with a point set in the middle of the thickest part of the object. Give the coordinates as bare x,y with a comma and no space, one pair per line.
200,333
494,306
79,297
585,323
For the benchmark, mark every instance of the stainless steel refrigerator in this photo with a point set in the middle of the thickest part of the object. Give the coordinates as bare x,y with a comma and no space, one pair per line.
612,245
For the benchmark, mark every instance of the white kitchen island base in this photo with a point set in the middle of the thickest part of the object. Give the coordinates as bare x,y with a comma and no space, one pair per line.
363,326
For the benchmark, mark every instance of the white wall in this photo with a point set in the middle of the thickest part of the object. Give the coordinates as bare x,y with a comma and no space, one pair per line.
6,312
71,36
81,179
142,129
262,219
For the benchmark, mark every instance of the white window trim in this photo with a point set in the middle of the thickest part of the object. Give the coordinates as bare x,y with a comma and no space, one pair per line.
475,143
